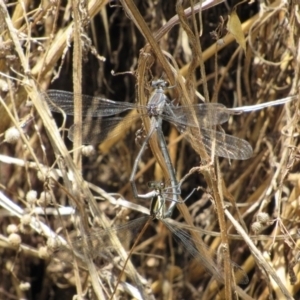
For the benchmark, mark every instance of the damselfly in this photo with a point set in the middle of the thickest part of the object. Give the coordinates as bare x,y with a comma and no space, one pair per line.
99,240
159,108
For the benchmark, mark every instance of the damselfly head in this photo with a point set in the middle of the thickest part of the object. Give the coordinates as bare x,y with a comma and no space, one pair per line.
159,83
156,185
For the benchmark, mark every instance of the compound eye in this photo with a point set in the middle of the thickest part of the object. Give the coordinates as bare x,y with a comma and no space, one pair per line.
164,84
159,83
155,83
151,184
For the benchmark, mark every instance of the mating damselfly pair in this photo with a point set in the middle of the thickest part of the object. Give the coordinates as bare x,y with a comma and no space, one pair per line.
98,111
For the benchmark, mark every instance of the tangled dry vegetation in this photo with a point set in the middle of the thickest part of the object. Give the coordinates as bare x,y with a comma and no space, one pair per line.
246,54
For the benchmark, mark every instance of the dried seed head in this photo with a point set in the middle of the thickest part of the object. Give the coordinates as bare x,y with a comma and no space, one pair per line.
263,217
12,228
9,265
256,227
42,173
152,262
26,219
43,252
53,243
31,197
220,42
12,135
25,286
14,239
45,173
45,198
88,150
3,85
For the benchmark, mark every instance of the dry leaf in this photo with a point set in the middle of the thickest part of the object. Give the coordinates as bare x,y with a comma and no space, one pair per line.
234,26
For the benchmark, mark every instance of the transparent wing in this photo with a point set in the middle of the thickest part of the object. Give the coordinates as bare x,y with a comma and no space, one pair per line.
220,144
216,142
96,130
92,106
207,114
98,241
208,261
94,127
